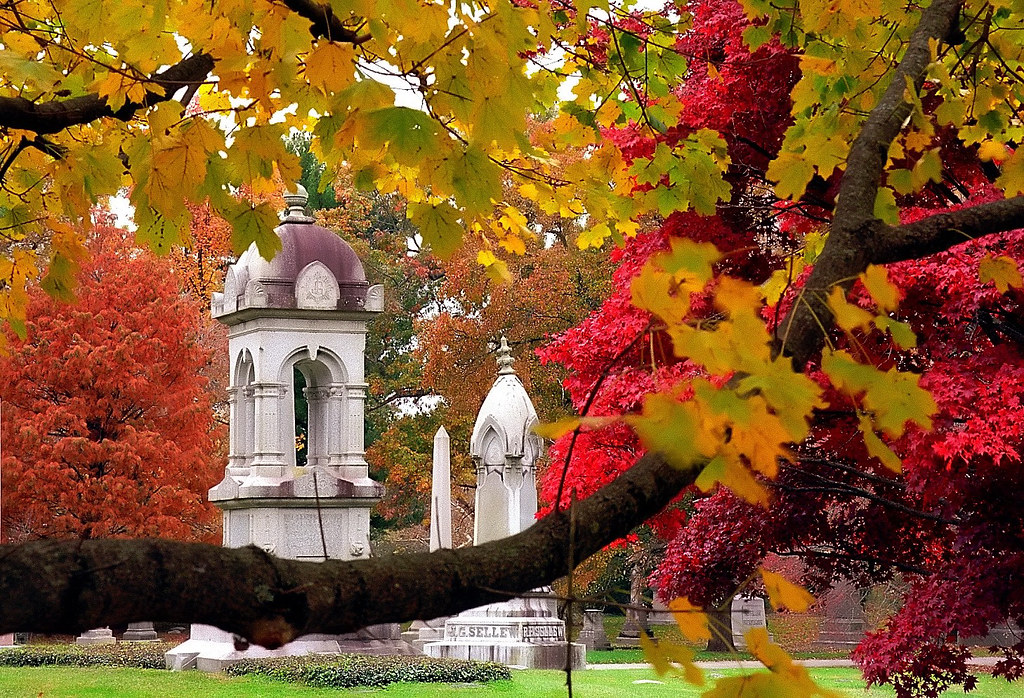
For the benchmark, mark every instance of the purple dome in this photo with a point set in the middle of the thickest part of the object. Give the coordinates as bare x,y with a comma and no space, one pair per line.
314,269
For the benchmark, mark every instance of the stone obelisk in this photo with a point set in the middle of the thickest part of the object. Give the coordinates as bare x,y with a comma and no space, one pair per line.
421,632
441,493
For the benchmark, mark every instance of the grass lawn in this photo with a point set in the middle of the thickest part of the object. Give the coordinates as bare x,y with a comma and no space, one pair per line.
65,682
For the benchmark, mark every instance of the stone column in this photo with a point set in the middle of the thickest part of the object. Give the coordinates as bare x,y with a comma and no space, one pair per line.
268,454
354,451
317,409
236,431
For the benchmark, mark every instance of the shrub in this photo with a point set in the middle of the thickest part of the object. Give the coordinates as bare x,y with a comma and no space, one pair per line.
351,670
142,655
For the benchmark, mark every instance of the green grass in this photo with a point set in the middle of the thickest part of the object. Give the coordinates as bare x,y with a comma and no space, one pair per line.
637,656
67,682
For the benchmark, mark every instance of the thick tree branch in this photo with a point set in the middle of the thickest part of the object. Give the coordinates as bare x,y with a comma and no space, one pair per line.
57,115
325,23
854,228
68,586
944,230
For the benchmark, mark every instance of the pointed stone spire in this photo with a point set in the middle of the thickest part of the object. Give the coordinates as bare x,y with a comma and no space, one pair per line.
296,201
505,359
441,493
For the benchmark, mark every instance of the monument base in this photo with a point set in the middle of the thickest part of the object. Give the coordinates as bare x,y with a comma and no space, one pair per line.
140,632
532,642
7,640
97,636
212,649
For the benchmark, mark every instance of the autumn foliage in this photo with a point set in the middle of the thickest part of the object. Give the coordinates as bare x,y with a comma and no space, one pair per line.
107,426
946,520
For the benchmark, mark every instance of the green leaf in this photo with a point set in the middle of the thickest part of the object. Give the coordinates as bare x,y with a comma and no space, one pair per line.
410,134
439,225
253,224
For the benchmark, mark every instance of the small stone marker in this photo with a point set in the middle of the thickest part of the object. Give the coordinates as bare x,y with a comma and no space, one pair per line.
593,635
96,636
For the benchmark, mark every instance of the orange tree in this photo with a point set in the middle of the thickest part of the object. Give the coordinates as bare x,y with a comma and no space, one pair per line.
107,424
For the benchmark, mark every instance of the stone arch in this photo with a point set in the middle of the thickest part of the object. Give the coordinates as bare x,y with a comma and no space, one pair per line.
316,380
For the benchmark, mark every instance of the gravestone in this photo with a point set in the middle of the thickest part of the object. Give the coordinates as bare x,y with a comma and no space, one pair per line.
140,632
593,635
748,612
522,631
96,636
304,312
844,624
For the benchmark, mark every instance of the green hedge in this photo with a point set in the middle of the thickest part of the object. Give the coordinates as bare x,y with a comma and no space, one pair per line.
141,655
351,670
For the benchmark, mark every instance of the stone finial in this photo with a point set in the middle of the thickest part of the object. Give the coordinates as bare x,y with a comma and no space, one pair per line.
296,201
505,359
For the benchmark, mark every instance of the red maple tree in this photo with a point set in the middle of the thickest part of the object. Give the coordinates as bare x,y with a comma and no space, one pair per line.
107,428
949,522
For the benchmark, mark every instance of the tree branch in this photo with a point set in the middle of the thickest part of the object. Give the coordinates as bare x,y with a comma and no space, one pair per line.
57,115
855,230
325,22
69,586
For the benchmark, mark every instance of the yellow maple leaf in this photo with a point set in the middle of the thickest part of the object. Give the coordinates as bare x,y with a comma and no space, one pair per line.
784,593
692,621
848,316
1002,270
330,66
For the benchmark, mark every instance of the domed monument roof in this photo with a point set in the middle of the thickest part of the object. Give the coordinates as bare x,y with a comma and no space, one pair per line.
314,270
503,425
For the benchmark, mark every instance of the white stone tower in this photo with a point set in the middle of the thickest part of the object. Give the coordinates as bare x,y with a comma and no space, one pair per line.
505,450
303,312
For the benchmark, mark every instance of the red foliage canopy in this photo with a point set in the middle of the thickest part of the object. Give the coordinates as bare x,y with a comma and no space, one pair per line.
107,426
950,522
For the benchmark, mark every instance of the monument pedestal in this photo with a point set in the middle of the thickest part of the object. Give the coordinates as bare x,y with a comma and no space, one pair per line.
7,640
140,632
593,636
520,632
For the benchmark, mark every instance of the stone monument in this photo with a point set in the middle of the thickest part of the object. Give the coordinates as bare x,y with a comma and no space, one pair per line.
593,635
748,612
140,632
522,631
299,318
423,631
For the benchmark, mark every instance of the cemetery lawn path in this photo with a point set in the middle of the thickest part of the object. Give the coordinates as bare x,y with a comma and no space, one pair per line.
67,682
